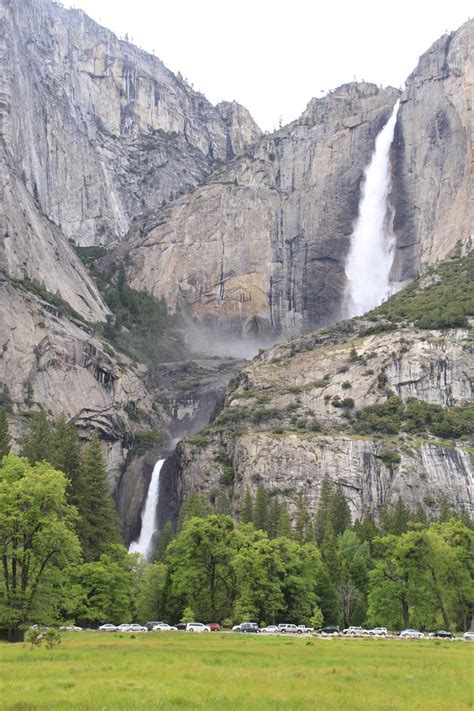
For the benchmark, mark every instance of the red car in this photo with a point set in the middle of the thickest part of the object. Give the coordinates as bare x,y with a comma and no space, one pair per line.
214,626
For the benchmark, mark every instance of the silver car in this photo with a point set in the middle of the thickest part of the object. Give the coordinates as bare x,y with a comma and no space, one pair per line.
107,628
414,634
469,636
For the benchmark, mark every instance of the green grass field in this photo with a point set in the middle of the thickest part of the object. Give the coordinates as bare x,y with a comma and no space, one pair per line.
225,671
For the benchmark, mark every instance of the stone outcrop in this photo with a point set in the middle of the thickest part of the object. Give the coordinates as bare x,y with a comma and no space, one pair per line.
49,360
433,163
260,247
284,426
100,130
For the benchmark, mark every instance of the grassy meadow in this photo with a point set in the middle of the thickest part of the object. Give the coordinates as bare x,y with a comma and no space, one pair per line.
226,671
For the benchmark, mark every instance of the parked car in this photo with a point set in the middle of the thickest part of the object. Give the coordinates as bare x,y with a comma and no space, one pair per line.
197,627
288,628
246,627
214,626
329,629
354,631
415,634
136,628
69,628
123,627
469,636
152,623
271,629
442,634
306,629
164,627
181,625
107,628
378,632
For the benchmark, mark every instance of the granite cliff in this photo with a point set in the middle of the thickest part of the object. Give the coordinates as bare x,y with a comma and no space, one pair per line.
260,247
371,403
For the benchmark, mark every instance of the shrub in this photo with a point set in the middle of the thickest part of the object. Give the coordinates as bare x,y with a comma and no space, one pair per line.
346,385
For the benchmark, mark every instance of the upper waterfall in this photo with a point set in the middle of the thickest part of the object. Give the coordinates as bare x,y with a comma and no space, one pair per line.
371,252
144,544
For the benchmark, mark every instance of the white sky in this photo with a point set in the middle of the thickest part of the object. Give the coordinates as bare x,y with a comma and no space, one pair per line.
273,56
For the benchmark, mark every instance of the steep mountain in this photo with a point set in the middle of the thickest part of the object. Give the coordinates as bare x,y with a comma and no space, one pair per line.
100,130
382,405
260,248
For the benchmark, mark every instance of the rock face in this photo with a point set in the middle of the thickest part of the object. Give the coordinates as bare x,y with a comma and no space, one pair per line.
51,361
100,130
284,426
433,168
260,247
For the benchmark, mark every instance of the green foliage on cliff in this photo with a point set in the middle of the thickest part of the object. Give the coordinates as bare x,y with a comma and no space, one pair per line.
445,302
417,416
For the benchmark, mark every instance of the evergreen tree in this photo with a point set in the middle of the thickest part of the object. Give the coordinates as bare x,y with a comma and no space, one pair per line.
322,514
260,513
164,540
37,445
66,456
284,522
223,504
274,511
194,506
339,511
303,528
4,435
98,525
395,519
246,514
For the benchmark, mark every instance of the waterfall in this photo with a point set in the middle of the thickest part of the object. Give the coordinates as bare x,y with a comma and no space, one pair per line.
145,540
371,252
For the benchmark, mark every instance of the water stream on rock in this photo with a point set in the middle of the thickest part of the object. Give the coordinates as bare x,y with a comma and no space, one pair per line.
371,252
144,544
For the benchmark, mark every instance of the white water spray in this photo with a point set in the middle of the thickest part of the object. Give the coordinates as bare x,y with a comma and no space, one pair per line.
371,252
144,545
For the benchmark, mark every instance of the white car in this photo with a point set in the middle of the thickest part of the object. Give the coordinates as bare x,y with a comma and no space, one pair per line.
123,627
469,636
136,628
378,632
353,631
70,628
414,634
163,627
306,629
197,627
107,628
271,629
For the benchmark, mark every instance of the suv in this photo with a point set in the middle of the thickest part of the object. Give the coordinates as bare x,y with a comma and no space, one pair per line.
197,627
354,630
306,629
330,629
287,628
246,627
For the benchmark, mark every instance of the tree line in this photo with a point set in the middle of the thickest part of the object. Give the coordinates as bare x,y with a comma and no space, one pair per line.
62,559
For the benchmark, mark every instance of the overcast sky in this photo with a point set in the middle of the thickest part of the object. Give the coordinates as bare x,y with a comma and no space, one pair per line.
273,56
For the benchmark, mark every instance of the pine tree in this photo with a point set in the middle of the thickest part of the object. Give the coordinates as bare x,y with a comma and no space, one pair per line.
66,456
339,511
194,506
303,528
284,522
274,511
260,512
246,514
223,504
98,526
4,435
37,445
395,519
164,540
322,514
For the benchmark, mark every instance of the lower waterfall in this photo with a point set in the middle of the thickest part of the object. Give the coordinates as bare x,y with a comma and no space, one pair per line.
371,252
144,544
